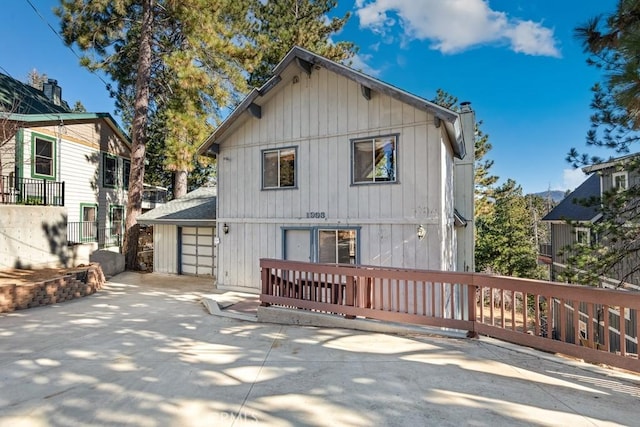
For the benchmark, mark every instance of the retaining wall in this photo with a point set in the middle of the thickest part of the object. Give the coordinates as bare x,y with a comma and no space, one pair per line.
52,291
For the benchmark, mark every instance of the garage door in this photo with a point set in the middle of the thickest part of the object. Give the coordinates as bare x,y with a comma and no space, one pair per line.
197,251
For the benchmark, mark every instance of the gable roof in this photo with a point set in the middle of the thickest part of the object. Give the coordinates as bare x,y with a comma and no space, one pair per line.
307,60
25,104
17,97
615,161
196,208
570,208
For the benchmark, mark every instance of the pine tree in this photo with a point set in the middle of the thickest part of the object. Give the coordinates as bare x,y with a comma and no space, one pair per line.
283,24
613,44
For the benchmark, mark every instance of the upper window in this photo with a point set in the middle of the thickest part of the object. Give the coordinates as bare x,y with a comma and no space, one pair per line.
583,236
374,159
126,171
109,170
279,168
620,180
43,157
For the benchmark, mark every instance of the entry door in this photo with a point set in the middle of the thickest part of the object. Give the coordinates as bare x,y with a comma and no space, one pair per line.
297,245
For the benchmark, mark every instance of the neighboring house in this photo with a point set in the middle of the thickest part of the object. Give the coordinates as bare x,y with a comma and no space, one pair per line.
184,233
571,219
326,164
51,156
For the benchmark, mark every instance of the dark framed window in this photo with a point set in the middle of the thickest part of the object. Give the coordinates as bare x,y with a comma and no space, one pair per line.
44,165
279,168
374,160
109,170
126,171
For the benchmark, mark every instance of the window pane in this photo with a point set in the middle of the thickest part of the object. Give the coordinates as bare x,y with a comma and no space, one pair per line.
110,168
385,160
270,169
347,246
287,168
363,161
44,157
117,214
126,170
327,246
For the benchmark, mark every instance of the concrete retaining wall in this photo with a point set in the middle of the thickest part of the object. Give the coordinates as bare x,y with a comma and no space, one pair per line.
33,236
52,291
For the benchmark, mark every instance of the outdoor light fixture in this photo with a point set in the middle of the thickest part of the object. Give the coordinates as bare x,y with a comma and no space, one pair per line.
421,232
225,228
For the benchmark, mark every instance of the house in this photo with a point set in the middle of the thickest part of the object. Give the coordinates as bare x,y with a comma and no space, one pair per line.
64,171
184,233
327,164
571,219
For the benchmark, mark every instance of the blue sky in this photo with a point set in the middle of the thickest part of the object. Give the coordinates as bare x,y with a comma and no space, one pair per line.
516,61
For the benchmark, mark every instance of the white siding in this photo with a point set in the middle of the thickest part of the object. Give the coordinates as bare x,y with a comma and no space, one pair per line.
319,115
165,249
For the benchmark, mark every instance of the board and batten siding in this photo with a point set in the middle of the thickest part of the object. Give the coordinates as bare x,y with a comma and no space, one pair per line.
319,115
165,250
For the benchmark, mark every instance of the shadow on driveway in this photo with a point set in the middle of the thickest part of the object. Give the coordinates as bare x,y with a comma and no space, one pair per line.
145,352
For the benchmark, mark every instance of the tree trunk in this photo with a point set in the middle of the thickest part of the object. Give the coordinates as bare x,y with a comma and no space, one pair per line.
179,183
141,108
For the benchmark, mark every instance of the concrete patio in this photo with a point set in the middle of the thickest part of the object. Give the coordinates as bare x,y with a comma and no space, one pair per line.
144,351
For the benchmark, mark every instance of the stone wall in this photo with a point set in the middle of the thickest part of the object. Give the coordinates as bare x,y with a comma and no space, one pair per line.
52,291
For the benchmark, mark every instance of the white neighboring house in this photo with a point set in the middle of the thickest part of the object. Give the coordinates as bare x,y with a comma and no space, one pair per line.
184,233
326,164
83,161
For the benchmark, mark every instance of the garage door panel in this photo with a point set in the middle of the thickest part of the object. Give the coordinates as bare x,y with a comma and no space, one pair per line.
189,230
189,259
205,240
189,269
205,251
189,240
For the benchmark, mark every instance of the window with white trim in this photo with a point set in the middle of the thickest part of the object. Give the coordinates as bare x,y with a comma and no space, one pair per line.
374,160
620,180
43,157
583,236
279,168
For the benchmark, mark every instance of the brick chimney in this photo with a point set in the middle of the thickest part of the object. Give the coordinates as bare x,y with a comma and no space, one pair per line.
52,91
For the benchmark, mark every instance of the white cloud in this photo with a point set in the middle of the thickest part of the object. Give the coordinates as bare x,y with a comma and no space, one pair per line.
455,25
572,178
359,62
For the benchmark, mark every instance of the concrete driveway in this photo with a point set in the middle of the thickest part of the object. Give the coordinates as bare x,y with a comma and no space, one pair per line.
145,352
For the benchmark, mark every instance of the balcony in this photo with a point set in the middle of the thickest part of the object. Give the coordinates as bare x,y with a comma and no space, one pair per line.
29,191
91,232
153,196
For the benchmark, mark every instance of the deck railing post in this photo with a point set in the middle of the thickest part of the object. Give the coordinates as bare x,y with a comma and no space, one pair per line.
264,274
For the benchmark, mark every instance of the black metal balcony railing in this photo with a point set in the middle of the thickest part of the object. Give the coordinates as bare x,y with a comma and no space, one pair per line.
90,232
28,191
544,249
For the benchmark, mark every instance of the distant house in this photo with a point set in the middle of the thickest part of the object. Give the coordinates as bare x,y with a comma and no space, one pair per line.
326,164
183,234
66,172
571,219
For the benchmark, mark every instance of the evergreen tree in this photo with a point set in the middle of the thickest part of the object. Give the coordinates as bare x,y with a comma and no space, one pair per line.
613,44
283,24
185,58
505,243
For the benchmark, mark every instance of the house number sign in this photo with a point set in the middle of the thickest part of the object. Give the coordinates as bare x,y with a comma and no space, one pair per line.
316,215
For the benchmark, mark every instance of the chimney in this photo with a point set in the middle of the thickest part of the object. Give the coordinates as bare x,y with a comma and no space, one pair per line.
464,190
52,91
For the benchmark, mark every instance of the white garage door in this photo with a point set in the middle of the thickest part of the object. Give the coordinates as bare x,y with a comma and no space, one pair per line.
197,251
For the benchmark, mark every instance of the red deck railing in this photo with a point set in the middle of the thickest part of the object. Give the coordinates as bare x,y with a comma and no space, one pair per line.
597,325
